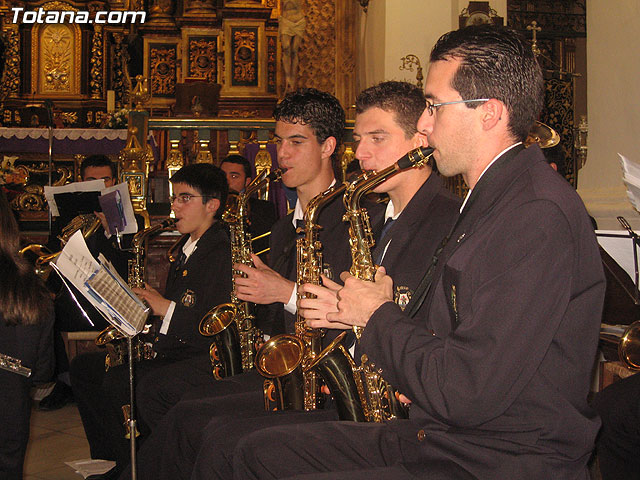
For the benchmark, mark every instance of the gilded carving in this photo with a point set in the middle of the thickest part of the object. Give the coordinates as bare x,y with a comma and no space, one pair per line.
203,52
244,56
57,45
162,69
317,58
95,84
11,76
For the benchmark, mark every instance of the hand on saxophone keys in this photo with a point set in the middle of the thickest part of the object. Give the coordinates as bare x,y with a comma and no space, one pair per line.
323,300
261,284
159,305
402,398
356,301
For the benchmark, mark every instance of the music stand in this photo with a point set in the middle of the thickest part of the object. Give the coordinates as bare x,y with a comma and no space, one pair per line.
616,246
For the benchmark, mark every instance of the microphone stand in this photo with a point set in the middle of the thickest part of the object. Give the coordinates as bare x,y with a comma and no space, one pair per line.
48,105
132,420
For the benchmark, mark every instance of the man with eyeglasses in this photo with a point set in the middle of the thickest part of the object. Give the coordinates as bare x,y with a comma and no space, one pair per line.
498,365
197,281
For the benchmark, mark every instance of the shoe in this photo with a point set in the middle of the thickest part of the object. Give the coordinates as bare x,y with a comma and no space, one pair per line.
58,398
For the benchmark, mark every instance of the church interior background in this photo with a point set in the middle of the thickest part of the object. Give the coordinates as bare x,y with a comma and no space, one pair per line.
199,79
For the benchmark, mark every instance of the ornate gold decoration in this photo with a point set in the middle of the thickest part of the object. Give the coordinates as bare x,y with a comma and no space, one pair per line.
347,157
244,56
120,80
317,67
272,63
133,160
245,113
203,52
162,69
96,82
70,118
140,95
533,27
10,82
408,61
160,12
56,56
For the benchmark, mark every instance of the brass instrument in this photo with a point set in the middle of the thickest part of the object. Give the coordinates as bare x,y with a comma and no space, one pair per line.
543,135
361,393
14,365
284,358
88,223
629,346
232,325
111,337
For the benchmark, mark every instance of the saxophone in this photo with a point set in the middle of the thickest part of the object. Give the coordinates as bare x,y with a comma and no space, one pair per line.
110,336
232,324
360,392
284,358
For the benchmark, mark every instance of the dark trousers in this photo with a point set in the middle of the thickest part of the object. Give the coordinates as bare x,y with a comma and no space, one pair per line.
162,388
341,450
618,445
170,450
15,405
100,396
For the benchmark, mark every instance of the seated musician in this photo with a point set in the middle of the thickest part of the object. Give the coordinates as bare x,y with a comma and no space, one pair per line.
262,214
309,129
420,212
497,376
198,280
69,317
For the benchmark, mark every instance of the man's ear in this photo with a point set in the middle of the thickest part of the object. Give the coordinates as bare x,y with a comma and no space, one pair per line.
329,146
213,204
492,112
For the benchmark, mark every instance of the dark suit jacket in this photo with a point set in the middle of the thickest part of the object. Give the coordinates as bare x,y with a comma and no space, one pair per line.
262,216
202,283
501,384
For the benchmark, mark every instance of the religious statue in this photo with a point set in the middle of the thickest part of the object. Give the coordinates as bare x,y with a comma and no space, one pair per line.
292,24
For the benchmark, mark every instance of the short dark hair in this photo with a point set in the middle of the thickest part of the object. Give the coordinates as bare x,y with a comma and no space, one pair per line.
404,100
321,111
98,161
496,62
239,160
208,180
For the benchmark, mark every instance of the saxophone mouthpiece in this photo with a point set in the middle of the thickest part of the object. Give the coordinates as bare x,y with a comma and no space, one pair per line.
415,158
169,222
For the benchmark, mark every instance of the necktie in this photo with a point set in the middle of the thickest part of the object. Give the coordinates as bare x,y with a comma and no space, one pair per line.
383,240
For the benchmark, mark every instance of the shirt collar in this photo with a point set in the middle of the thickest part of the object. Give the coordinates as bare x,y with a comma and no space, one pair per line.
487,168
298,214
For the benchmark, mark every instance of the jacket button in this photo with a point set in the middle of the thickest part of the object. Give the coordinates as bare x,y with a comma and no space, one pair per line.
421,435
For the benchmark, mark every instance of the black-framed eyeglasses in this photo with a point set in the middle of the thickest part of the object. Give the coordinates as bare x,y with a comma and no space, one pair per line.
185,198
431,107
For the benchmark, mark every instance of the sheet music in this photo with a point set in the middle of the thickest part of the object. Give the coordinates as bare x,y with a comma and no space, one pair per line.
631,178
90,186
620,246
131,226
106,291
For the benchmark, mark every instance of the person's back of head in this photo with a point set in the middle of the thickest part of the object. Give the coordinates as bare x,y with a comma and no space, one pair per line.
23,297
405,100
496,62
207,179
321,111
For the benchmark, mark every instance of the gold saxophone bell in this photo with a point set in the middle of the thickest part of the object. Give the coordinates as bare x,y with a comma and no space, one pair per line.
280,359
226,350
629,346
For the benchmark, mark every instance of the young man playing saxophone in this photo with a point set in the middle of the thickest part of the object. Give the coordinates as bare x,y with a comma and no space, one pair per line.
497,376
309,130
424,211
197,281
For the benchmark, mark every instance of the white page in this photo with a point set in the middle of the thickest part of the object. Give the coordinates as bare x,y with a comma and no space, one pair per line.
619,245
129,215
90,186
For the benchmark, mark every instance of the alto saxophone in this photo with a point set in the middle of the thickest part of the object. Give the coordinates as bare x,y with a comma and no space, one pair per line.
110,336
284,358
360,392
233,324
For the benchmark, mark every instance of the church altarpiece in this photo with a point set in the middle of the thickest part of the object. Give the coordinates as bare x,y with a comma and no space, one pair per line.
68,71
